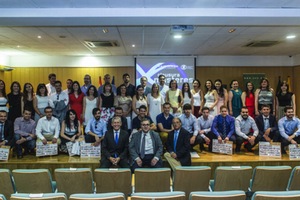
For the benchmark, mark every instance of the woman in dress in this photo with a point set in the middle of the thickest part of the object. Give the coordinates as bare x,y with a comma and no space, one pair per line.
90,101
27,99
138,99
222,94
234,100
76,100
198,97
155,102
284,98
187,95
3,97
14,100
264,95
175,98
70,129
248,99
40,101
106,104
211,98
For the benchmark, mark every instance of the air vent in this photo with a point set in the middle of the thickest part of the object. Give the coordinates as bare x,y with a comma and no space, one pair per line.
262,43
95,44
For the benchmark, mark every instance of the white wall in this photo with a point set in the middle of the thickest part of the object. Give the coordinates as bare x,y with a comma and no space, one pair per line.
4,60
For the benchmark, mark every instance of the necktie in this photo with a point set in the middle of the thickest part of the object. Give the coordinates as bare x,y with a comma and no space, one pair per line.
175,140
117,137
143,146
1,131
266,124
224,127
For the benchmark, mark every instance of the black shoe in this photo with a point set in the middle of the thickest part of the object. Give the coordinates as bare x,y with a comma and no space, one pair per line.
237,150
20,156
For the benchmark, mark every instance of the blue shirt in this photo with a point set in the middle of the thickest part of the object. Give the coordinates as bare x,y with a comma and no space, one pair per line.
189,123
166,122
289,127
84,89
217,126
97,127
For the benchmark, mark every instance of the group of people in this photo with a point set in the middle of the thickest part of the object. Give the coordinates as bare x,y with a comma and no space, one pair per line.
139,122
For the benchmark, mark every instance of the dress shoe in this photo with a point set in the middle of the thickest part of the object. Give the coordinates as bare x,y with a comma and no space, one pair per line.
20,156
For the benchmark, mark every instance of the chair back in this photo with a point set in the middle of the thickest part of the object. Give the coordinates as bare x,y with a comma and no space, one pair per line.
152,180
6,183
294,181
2,197
224,195
113,180
284,195
104,196
41,196
33,181
270,178
72,181
158,195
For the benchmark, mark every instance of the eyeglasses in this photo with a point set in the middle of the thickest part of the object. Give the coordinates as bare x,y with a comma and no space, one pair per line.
145,124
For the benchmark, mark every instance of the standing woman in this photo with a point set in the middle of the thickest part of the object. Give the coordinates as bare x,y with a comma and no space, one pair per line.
175,98
138,99
3,97
107,102
90,101
235,101
155,102
248,99
264,95
211,98
198,97
27,99
70,129
187,95
40,101
125,102
284,98
222,95
14,100
76,100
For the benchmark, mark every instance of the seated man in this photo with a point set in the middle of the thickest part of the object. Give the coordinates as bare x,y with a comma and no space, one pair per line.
164,122
244,125
289,128
118,113
6,130
95,128
223,127
24,128
145,147
136,122
189,123
178,146
267,125
114,149
204,124
47,128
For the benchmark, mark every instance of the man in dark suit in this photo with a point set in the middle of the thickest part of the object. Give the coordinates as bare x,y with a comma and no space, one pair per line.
146,147
6,130
267,125
118,113
178,146
115,146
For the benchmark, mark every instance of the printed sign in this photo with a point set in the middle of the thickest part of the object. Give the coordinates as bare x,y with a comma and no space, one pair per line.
225,148
88,150
294,151
46,150
270,149
4,152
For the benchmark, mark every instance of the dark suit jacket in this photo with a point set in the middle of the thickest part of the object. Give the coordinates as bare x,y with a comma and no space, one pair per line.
109,146
182,146
8,132
259,120
135,144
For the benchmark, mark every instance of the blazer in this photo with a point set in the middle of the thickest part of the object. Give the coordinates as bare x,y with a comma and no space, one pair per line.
8,132
109,147
182,146
135,144
259,120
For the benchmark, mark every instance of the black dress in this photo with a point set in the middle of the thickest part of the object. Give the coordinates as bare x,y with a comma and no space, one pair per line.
14,102
29,105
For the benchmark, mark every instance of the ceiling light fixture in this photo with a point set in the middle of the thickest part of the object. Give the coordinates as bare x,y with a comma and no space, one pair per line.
177,36
39,36
231,30
105,30
290,36
133,45
18,46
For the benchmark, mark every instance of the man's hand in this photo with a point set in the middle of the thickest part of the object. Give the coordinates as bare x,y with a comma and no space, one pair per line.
139,162
219,139
192,140
153,162
54,140
207,140
251,139
21,140
44,141
173,155
2,143
226,139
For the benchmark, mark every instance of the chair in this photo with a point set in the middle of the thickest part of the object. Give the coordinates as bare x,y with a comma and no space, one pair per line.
231,178
294,181
104,196
6,183
193,178
113,180
158,195
33,181
224,195
71,181
2,197
42,196
284,195
152,180
270,178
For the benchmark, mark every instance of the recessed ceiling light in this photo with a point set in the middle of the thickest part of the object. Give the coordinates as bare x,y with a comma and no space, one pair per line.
290,36
133,45
105,30
231,30
177,36
18,46
39,36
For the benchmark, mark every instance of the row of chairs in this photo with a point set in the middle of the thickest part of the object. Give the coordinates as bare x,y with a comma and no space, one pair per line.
225,195
187,179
